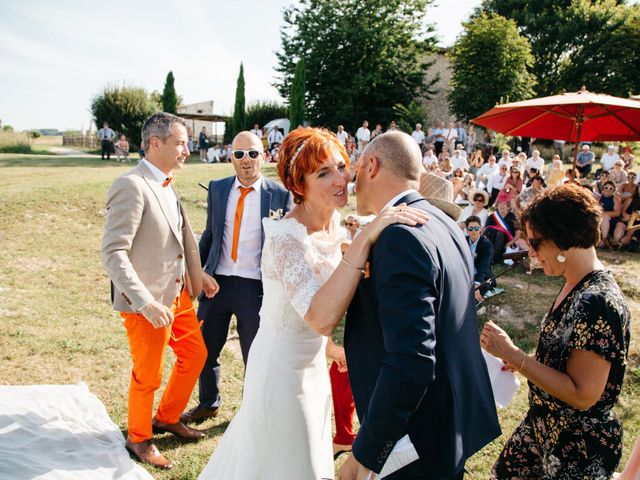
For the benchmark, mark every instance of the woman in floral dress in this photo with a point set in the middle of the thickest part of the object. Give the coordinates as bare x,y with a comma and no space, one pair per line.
570,431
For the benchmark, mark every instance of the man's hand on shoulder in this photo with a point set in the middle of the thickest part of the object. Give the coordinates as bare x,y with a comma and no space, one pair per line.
353,470
209,285
157,314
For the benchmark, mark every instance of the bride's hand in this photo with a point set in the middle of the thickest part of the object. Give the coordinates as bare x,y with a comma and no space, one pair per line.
399,214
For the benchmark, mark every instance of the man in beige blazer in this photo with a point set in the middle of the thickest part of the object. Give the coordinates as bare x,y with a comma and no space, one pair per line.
152,258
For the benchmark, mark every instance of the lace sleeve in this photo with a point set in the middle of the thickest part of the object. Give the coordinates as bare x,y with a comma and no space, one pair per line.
286,246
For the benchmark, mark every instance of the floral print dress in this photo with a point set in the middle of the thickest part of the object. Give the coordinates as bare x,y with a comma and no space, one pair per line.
557,441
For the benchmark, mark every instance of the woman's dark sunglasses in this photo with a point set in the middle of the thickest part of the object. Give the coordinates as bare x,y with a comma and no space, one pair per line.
239,154
535,243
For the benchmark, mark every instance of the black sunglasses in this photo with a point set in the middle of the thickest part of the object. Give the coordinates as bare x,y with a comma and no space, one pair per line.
535,243
239,154
473,229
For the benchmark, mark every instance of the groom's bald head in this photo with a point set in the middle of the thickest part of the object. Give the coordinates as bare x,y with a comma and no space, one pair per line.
398,153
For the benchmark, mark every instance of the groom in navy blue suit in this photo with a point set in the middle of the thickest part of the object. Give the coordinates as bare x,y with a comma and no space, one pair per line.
411,336
230,252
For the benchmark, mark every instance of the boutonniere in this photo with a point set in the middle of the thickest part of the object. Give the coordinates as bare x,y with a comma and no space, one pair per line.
367,270
276,214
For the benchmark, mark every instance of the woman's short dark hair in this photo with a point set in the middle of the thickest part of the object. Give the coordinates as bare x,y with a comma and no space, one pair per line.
568,215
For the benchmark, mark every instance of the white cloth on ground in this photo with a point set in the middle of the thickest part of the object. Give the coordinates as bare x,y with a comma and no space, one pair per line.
60,432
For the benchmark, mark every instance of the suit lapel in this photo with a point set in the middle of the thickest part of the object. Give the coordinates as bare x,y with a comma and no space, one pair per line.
156,188
265,203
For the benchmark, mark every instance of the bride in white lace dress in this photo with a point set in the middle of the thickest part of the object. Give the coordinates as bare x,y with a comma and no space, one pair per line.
283,427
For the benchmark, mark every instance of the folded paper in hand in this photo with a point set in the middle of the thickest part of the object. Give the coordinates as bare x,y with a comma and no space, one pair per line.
402,455
503,382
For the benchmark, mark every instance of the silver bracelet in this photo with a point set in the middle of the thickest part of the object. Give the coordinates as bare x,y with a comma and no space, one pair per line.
361,269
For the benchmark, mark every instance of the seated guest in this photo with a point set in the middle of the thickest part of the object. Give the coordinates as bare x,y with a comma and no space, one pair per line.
555,175
344,407
584,160
429,158
463,194
609,158
618,175
476,162
530,193
535,161
446,169
571,176
502,228
477,208
599,184
482,251
485,171
577,372
352,225
122,149
622,233
496,182
458,160
514,184
626,190
611,211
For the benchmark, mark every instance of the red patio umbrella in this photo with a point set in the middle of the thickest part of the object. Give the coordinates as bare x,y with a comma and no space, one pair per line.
574,117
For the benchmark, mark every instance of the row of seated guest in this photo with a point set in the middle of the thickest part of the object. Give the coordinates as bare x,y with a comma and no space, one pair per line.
619,216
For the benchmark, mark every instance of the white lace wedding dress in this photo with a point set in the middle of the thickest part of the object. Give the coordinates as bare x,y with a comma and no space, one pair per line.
283,428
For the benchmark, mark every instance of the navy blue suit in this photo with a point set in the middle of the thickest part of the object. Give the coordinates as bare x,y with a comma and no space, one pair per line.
238,296
482,262
413,350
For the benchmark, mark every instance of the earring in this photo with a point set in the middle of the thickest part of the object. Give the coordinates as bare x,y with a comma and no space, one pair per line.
561,258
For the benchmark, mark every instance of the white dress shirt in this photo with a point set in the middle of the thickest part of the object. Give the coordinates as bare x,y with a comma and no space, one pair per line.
342,137
250,239
168,191
363,134
418,136
496,182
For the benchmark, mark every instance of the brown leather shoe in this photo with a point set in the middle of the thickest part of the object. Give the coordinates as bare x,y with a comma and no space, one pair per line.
179,429
147,452
198,414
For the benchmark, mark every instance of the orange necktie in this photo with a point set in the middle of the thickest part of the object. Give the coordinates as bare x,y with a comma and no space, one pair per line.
244,191
167,181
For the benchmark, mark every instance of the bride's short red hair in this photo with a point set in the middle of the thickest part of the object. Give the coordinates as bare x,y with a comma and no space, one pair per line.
303,151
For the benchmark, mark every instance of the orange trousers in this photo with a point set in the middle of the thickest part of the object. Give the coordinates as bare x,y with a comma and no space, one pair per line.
147,345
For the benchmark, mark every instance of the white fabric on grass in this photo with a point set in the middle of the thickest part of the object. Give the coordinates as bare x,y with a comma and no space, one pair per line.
60,432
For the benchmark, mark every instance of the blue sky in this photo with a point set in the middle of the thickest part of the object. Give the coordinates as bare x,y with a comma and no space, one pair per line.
57,54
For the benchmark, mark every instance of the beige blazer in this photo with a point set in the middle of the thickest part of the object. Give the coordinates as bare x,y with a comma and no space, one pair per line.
144,253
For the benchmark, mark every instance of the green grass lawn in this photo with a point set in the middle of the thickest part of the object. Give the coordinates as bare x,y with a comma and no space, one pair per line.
57,326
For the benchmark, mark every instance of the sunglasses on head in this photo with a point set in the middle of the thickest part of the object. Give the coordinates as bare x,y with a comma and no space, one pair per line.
239,154
473,229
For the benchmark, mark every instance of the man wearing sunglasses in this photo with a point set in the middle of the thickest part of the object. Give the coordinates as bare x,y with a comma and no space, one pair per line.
230,252
482,251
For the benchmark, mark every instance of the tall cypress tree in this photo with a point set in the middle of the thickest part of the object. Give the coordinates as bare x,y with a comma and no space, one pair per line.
296,100
239,122
169,97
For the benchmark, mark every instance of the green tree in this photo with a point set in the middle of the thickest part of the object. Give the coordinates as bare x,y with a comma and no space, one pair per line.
169,97
125,108
296,100
261,112
407,116
595,43
239,121
361,57
7,128
490,61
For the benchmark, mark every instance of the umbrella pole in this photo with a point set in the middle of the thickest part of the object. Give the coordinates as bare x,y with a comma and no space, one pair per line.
576,146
